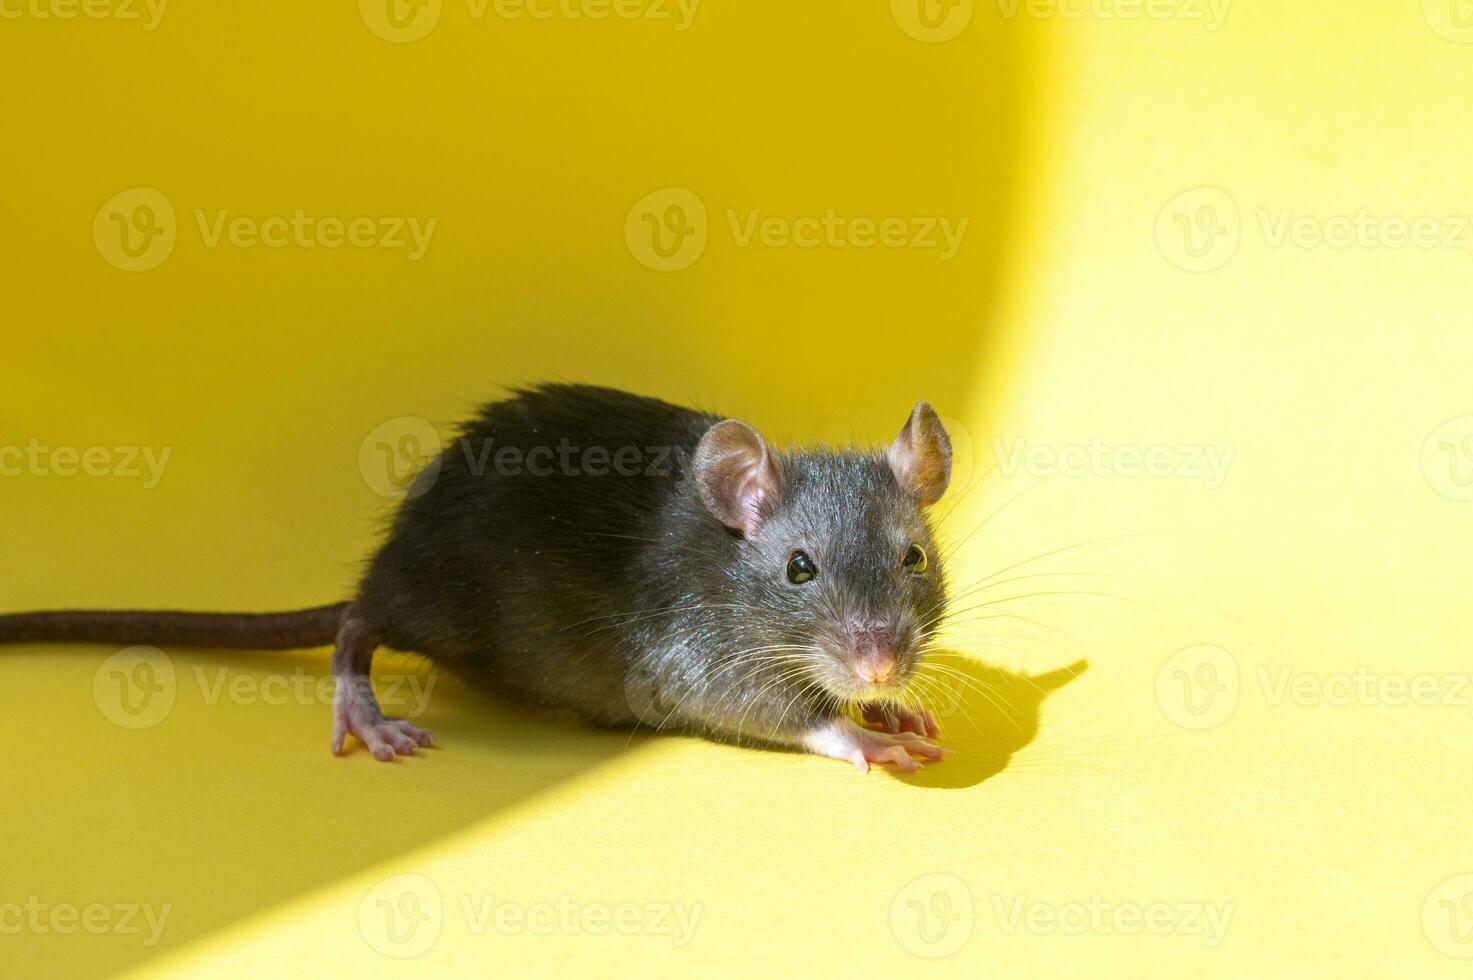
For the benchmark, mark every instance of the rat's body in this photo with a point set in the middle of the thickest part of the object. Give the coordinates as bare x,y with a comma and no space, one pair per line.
519,574
623,560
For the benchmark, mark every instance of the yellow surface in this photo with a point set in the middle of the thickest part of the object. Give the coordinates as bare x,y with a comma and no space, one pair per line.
1320,817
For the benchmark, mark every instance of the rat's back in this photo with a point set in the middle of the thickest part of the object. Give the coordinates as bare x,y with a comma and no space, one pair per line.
514,562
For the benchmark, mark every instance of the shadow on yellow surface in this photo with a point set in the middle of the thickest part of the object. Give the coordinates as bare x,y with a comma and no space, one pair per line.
256,811
988,713
235,775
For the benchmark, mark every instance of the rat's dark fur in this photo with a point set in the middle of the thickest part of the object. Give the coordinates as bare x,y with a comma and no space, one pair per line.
532,564
621,560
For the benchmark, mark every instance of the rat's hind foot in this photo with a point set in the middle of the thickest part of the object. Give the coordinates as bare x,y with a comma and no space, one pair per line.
385,737
845,740
896,719
355,709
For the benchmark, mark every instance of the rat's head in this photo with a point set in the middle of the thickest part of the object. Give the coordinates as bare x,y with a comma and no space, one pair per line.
836,562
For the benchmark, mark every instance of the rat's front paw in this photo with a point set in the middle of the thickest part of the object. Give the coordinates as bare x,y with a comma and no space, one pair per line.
897,720
845,740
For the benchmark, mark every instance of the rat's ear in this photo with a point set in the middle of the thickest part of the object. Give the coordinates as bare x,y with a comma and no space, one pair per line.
736,476
921,455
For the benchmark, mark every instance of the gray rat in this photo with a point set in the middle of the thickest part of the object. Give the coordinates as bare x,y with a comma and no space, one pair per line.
623,560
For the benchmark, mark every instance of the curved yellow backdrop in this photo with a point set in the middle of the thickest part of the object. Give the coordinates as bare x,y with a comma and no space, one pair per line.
1189,278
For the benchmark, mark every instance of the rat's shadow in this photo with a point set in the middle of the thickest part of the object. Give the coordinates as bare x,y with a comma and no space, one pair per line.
262,764
986,713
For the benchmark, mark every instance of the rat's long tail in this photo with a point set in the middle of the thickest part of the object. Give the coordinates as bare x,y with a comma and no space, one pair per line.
295,630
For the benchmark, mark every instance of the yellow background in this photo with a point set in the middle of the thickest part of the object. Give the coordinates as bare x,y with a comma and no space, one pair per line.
1071,313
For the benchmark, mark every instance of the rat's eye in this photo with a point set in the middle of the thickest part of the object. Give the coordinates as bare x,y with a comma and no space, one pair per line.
801,568
915,559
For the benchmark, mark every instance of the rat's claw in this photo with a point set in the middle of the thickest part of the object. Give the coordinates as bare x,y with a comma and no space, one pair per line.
372,736
422,737
403,744
895,755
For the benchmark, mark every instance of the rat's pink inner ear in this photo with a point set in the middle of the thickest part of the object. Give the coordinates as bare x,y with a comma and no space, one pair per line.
736,476
920,456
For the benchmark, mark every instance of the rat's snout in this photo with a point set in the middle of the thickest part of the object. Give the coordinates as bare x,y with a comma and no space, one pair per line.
880,670
874,654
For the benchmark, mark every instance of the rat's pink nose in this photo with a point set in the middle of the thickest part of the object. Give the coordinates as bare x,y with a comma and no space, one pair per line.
874,653
878,669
